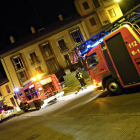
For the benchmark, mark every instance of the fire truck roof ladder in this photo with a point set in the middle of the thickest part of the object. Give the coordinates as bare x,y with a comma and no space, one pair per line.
133,16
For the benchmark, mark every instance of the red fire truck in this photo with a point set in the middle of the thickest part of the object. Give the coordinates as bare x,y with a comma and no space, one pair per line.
34,93
112,57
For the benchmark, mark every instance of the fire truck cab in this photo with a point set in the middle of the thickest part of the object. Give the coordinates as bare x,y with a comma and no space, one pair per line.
34,93
115,63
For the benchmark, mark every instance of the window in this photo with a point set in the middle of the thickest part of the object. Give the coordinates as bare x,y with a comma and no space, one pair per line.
20,94
52,65
73,57
17,62
112,13
92,21
28,95
19,66
86,6
49,57
96,3
33,92
22,76
7,88
67,59
34,58
62,45
92,60
77,36
46,50
39,69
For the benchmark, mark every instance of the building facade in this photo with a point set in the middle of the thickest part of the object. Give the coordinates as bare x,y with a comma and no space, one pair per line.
47,52
7,94
97,13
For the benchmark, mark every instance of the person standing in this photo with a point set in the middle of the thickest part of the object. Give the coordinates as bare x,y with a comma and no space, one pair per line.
80,79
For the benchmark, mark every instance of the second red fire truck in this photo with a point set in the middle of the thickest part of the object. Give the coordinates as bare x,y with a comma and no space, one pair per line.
112,57
34,93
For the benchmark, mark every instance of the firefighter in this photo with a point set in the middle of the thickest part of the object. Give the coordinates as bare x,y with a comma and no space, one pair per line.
81,79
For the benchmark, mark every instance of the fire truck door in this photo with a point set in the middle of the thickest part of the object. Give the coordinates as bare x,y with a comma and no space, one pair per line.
96,63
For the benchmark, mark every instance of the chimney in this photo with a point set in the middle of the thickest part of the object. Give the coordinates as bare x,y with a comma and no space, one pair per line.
32,29
12,39
60,17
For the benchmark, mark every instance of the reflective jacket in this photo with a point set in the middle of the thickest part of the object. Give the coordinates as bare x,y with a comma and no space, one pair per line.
79,75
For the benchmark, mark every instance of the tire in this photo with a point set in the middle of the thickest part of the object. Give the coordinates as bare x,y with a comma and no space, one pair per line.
113,87
23,107
37,105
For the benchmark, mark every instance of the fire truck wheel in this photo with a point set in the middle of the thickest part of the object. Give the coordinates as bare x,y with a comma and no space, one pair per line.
23,107
37,105
113,87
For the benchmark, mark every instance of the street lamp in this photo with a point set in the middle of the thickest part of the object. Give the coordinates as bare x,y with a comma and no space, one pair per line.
117,0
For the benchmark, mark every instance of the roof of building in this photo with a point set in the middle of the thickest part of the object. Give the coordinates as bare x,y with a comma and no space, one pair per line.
3,81
36,37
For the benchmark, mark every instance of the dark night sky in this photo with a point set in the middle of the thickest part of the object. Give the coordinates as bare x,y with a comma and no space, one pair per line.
17,16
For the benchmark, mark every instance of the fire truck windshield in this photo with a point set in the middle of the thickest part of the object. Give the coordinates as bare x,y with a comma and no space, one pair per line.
92,60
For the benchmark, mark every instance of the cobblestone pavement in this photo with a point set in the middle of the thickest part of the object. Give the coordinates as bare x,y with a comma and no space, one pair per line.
105,118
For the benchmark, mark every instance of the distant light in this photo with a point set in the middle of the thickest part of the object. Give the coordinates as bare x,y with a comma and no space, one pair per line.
16,89
88,46
126,25
117,0
33,79
38,76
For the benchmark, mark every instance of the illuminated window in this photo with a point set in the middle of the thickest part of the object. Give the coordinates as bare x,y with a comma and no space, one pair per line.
19,66
7,88
92,21
62,45
96,3
86,6
112,13
77,36
17,62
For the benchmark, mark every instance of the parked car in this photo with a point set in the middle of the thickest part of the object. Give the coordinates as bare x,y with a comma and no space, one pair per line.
7,111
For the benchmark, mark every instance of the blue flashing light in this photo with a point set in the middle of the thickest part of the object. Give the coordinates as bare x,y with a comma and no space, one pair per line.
97,42
84,51
16,89
88,46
